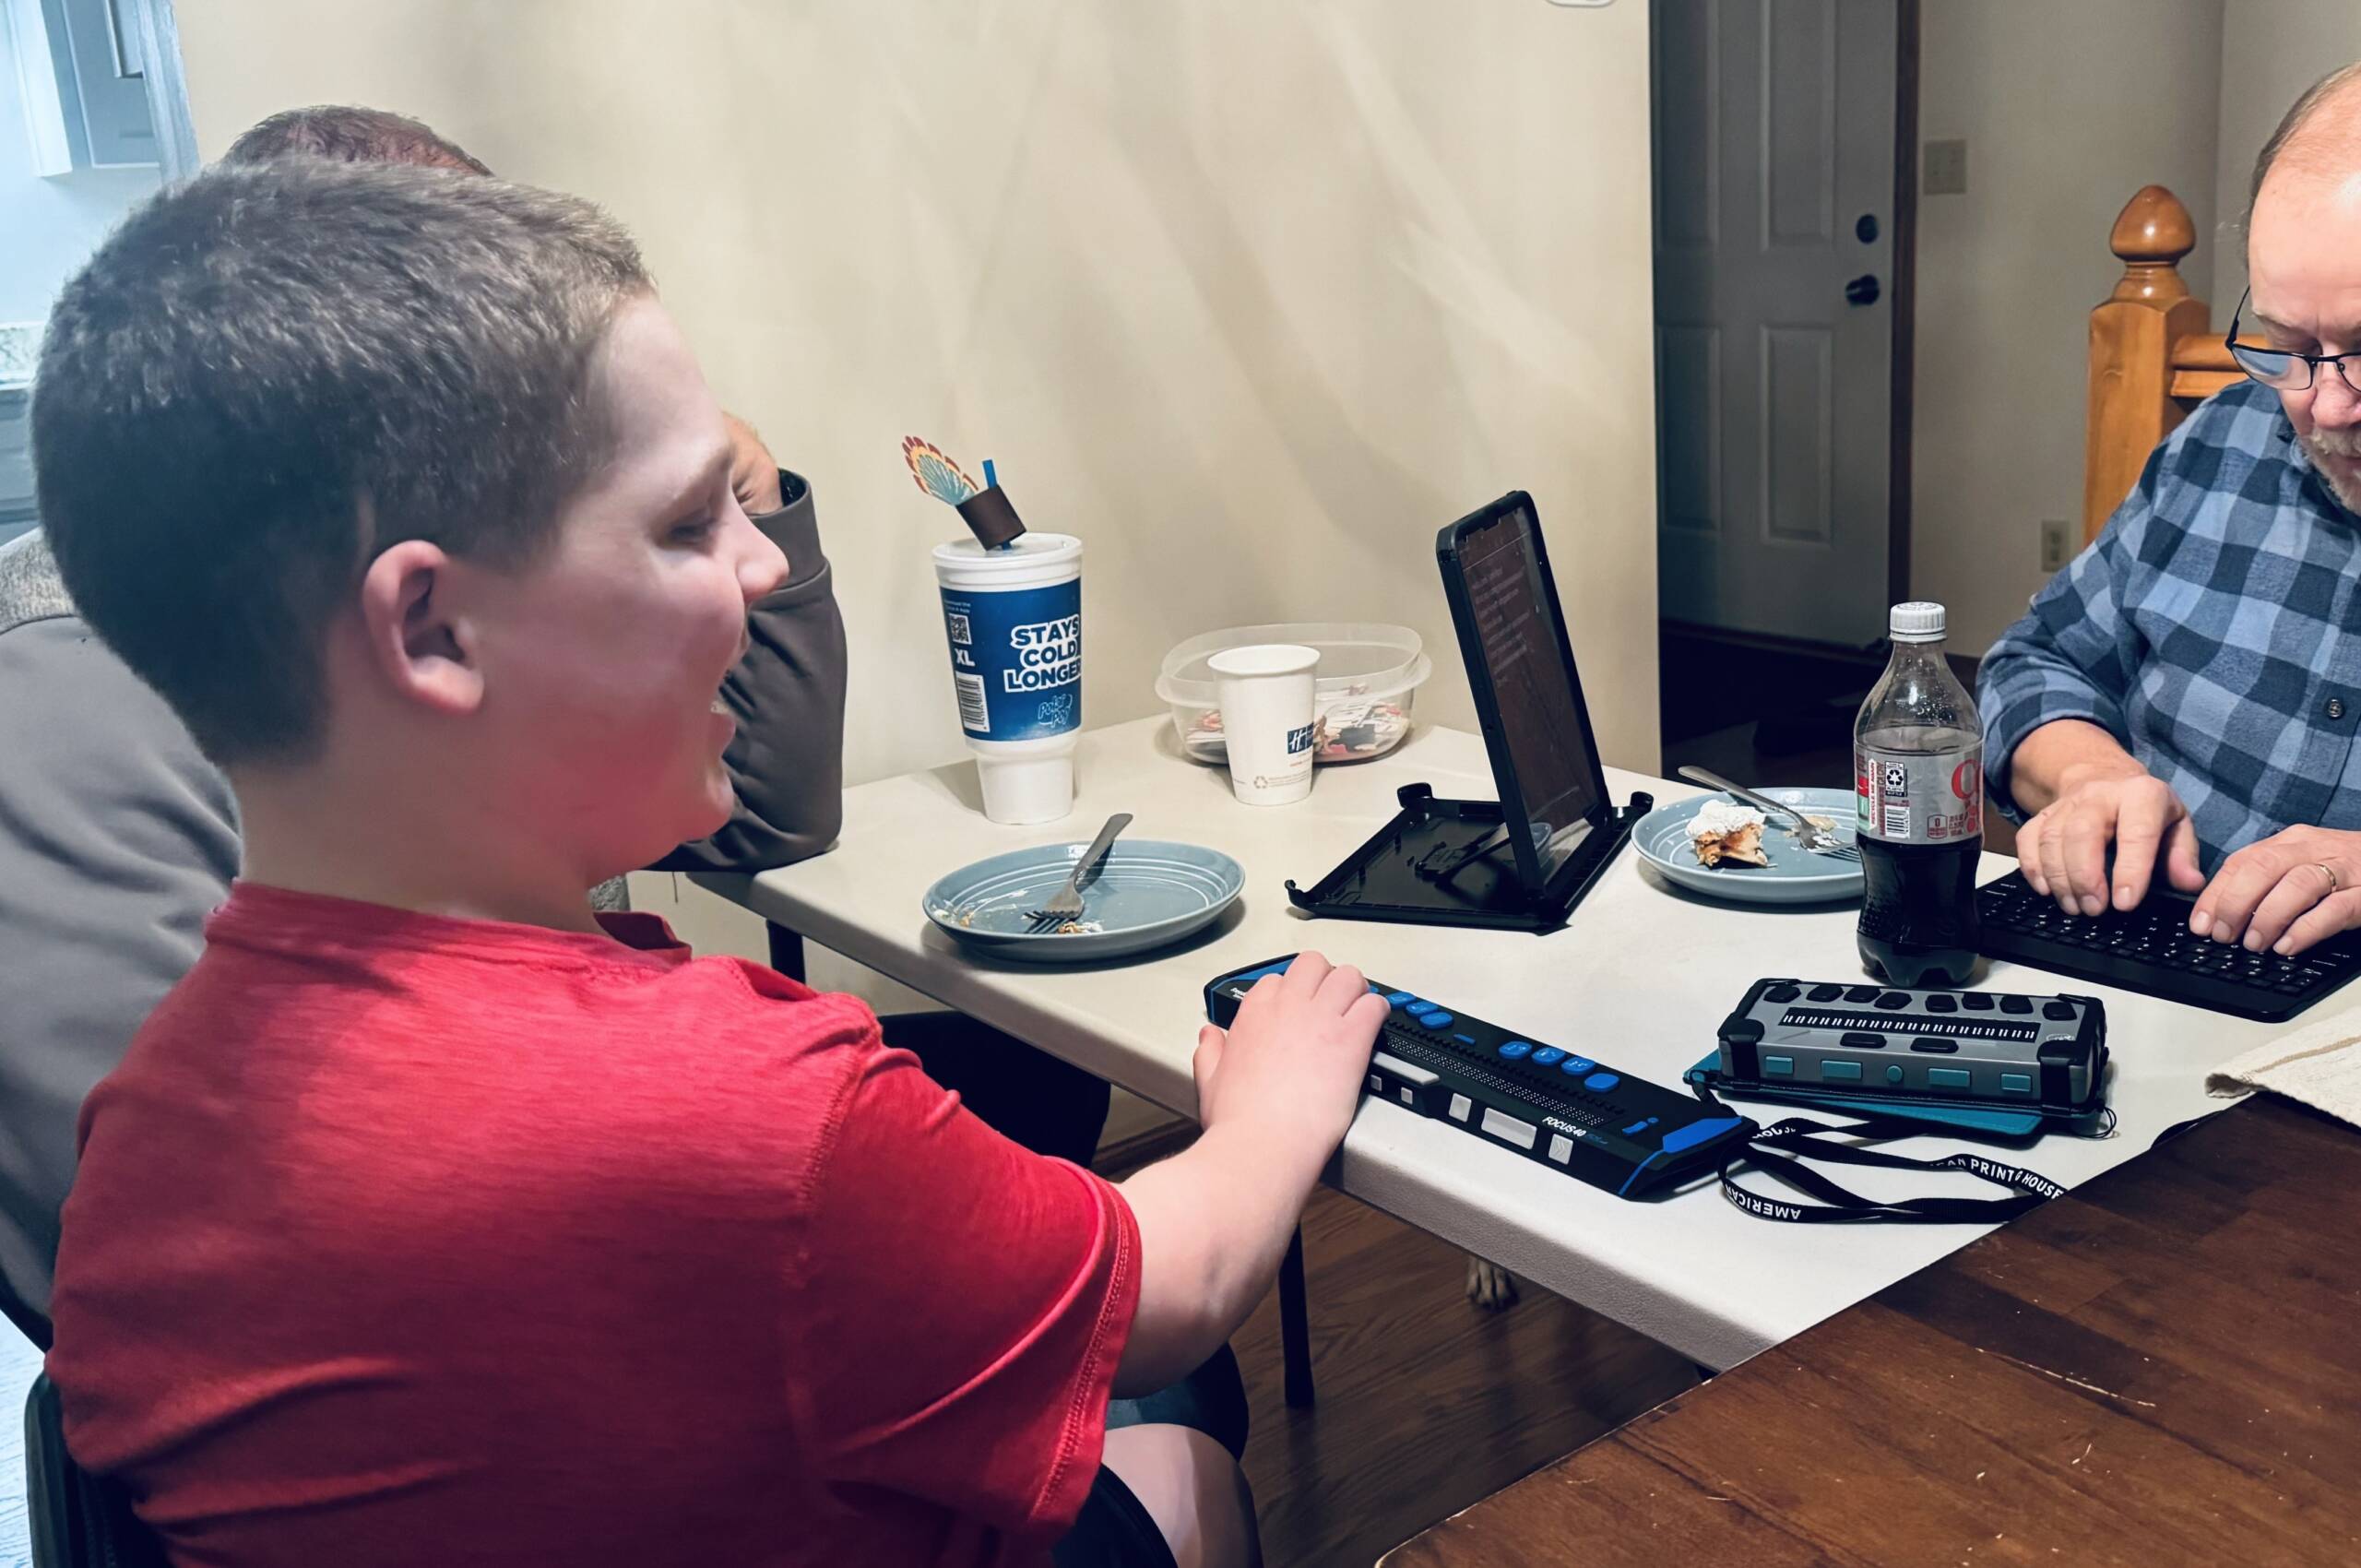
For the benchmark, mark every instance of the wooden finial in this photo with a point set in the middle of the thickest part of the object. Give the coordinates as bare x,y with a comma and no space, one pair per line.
2150,234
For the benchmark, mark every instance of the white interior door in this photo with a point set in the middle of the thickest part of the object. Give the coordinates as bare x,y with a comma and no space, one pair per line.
1774,130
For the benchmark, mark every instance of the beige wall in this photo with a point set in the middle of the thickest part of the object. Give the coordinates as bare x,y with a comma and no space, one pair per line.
2066,110
1252,297
2272,50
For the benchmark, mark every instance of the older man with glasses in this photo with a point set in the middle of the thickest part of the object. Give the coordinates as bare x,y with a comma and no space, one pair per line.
2187,692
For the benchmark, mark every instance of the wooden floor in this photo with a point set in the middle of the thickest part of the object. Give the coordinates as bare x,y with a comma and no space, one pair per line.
1427,1403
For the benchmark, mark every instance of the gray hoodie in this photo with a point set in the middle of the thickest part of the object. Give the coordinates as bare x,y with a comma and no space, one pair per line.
117,839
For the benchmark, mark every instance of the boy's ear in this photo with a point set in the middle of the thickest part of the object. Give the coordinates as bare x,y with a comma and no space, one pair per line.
417,637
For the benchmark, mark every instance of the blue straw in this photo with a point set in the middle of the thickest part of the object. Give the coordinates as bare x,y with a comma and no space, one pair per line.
991,480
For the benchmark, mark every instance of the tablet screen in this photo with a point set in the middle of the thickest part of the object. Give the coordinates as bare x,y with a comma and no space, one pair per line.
1531,675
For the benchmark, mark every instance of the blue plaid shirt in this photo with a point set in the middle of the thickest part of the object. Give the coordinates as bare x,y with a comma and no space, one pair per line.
2211,628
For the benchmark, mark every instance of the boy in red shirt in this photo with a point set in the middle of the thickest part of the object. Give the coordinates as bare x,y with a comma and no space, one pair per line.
433,1217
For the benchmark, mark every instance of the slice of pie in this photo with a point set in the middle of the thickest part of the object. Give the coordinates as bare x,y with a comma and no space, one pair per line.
1722,831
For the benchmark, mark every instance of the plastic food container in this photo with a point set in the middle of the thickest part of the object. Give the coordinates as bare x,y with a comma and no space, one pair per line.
1367,677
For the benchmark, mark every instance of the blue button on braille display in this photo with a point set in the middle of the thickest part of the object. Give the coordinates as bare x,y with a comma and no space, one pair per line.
1893,1072
1576,1065
2016,1083
1841,1070
1547,1056
1778,1066
1601,1082
1517,1048
1400,998
1435,1020
1635,1127
1464,1039
1949,1077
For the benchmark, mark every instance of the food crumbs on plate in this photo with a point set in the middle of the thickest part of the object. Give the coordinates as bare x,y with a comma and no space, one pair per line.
1079,927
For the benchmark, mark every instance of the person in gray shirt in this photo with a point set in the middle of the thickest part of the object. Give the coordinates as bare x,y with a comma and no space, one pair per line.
118,838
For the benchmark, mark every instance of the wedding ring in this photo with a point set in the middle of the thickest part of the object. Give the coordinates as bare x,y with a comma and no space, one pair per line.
2330,872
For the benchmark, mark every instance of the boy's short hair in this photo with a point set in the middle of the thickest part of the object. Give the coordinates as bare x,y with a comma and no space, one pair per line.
269,374
345,133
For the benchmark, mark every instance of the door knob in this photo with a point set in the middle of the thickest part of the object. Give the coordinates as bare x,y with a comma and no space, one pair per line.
1862,290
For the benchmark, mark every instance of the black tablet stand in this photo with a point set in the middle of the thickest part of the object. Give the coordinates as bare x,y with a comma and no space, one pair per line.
1445,862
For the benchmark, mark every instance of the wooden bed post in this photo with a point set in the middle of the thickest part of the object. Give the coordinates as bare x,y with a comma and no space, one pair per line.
2132,338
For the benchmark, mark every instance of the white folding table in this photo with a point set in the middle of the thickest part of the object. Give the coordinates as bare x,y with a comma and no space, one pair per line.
1638,977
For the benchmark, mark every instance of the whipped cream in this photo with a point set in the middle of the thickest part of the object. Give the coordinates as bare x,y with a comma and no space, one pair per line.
1717,818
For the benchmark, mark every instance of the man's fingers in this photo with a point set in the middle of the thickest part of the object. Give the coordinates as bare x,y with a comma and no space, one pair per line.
2341,911
2053,868
2229,900
2138,834
2297,890
2086,835
2029,839
2180,857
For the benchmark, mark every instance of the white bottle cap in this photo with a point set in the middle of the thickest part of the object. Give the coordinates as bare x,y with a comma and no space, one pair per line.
1917,622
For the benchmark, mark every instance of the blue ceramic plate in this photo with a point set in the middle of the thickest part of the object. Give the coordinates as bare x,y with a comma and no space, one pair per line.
1146,894
1794,875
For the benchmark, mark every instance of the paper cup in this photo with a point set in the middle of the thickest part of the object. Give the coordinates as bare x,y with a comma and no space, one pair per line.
1265,691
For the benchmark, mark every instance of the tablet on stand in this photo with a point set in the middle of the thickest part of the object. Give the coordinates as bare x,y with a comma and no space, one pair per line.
1523,862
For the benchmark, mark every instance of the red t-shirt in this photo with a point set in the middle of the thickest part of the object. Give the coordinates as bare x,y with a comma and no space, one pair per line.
401,1240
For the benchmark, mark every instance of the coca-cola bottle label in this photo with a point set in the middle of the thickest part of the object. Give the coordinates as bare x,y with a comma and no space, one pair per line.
1919,799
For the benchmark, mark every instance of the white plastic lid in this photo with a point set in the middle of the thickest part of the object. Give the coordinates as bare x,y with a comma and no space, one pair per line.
1356,659
1917,622
1030,560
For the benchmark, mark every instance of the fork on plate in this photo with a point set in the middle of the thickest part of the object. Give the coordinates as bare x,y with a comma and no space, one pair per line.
1066,903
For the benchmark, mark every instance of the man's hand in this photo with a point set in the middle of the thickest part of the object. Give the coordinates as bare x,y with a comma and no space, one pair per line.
2063,847
1294,1057
753,473
2291,890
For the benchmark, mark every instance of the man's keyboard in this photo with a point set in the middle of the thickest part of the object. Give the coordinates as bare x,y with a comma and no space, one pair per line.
2149,950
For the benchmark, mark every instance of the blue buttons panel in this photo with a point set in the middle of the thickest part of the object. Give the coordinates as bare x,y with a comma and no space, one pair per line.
1846,1071
1516,1049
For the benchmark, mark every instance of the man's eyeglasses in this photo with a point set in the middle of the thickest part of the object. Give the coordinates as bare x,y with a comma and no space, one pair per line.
2284,368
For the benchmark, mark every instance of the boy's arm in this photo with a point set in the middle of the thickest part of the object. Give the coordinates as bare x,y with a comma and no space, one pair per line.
957,1307
1276,1094
788,694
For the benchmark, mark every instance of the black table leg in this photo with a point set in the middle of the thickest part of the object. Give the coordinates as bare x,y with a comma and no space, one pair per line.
1295,1328
786,950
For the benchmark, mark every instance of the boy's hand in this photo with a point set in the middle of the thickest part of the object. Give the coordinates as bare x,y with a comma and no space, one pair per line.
1289,1067
753,473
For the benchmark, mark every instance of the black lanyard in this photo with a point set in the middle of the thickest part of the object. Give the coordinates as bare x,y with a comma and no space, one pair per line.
1836,1206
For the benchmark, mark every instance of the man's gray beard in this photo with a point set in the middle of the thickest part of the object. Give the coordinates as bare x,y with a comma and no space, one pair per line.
2346,443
